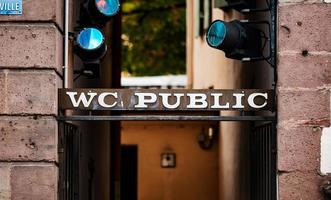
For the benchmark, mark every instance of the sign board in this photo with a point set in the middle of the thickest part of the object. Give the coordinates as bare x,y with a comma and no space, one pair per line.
165,100
11,7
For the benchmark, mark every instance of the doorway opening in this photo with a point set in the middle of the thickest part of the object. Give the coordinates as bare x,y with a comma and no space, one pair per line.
129,172
193,166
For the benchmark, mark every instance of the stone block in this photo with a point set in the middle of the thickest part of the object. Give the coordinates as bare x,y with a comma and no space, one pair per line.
299,185
310,71
2,91
298,148
31,46
296,104
28,138
304,27
34,182
36,10
5,192
30,91
281,2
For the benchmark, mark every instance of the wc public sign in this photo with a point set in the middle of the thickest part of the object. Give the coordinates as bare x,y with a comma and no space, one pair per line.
165,100
11,7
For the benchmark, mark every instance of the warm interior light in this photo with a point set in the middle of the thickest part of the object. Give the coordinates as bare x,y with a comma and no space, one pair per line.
90,39
206,137
107,7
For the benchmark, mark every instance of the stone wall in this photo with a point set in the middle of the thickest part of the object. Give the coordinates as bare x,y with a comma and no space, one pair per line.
31,56
304,83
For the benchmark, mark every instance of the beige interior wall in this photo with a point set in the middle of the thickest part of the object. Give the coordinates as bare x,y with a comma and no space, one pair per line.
234,162
196,174
208,68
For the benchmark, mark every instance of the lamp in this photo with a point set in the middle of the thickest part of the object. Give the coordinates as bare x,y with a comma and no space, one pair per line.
237,39
168,160
98,12
206,138
91,48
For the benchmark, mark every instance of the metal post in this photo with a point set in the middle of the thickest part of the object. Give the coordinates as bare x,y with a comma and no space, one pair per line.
66,45
115,126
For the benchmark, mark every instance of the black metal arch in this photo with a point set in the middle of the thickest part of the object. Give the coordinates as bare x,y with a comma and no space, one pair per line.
163,118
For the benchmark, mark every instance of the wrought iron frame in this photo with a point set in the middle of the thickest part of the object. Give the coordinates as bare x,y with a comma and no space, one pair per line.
163,118
68,152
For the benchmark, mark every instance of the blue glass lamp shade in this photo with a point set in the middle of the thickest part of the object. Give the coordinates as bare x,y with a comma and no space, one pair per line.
90,39
216,33
107,7
90,44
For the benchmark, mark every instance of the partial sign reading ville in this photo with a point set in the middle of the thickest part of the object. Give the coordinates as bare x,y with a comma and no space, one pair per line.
11,7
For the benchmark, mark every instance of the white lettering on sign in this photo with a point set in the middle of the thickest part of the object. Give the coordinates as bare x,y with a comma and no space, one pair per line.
165,100
252,97
102,96
197,101
238,97
144,98
82,98
217,104
10,6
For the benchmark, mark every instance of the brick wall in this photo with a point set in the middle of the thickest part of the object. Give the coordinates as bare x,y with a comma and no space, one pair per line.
304,83
31,56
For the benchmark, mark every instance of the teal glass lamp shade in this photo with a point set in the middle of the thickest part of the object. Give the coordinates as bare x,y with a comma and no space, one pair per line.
238,40
107,7
216,33
90,39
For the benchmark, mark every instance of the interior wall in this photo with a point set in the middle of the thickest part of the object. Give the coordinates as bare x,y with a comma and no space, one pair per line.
208,68
196,174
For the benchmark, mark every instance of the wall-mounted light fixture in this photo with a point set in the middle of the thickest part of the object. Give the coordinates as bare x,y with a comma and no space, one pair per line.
239,40
245,40
91,48
206,137
98,12
168,160
90,45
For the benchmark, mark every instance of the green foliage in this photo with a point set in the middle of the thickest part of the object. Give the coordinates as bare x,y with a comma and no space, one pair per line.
154,37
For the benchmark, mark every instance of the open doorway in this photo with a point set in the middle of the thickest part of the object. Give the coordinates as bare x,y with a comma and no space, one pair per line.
172,163
129,169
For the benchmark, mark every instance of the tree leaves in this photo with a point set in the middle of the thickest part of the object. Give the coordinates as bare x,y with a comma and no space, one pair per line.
154,37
